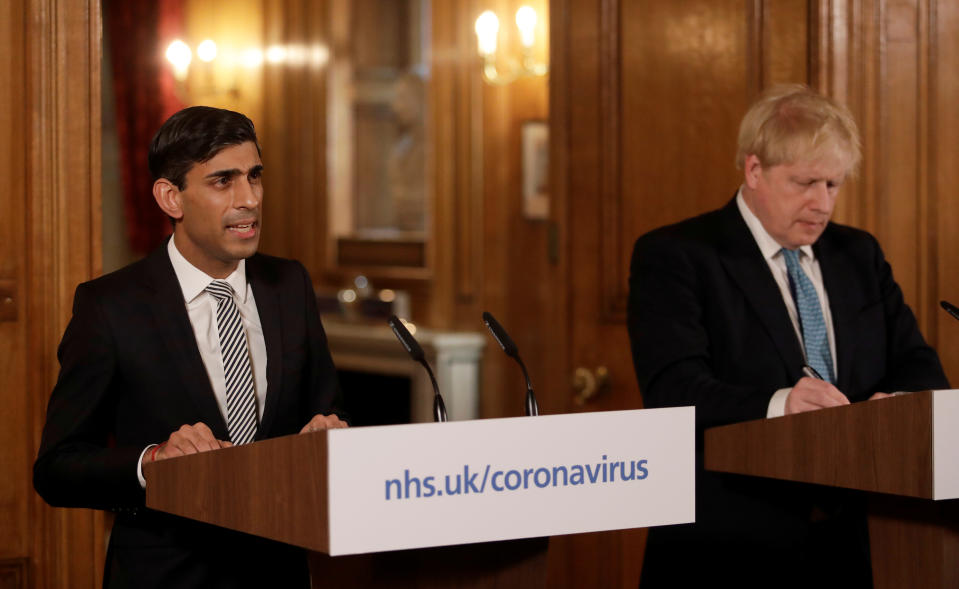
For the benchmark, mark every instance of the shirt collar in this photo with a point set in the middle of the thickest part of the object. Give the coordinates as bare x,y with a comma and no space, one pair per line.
193,281
767,245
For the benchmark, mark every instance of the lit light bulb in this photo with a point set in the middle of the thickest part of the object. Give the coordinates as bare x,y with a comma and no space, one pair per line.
252,58
206,51
179,54
276,54
526,22
487,26
320,54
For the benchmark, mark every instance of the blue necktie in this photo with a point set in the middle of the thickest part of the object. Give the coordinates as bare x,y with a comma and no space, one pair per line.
813,326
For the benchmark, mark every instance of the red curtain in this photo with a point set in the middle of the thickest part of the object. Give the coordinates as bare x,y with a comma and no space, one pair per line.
145,96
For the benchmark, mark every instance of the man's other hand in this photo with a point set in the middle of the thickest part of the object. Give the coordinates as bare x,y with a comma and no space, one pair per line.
810,394
189,439
320,422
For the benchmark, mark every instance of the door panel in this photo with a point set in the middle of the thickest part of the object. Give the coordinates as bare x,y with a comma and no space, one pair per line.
646,105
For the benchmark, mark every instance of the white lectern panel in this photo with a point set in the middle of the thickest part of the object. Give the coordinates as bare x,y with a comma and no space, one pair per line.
945,450
419,485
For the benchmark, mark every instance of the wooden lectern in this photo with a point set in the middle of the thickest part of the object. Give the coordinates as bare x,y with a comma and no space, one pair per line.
903,450
277,489
457,504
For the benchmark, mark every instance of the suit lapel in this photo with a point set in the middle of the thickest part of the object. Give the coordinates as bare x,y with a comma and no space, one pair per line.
268,308
176,333
836,269
744,263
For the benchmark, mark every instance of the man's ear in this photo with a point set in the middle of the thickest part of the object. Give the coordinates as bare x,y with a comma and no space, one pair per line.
752,169
168,197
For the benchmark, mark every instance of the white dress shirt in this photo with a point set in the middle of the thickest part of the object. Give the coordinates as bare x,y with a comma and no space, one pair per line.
770,249
201,308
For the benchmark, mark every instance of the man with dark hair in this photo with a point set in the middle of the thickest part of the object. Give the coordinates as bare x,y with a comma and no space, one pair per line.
194,135
765,308
202,345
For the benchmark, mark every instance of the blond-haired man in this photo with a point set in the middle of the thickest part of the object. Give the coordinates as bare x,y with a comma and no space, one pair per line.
763,308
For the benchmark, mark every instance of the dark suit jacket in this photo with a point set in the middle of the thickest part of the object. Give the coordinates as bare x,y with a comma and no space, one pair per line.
709,328
131,374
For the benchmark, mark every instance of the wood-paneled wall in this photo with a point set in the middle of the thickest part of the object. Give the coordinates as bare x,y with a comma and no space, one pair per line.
943,177
15,434
483,254
647,98
895,64
654,94
50,159
514,274
625,157
293,136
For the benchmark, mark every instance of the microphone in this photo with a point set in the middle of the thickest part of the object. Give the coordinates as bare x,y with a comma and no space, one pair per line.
505,342
416,352
950,308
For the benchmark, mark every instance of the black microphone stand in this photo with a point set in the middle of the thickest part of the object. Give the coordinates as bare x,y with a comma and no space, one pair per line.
416,352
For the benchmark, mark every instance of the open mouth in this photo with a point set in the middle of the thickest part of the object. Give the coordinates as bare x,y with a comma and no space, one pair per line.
244,230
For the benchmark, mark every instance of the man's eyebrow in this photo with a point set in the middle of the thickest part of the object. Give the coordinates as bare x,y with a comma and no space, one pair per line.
224,173
231,172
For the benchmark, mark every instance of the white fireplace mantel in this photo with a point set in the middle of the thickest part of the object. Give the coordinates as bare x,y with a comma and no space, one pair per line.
456,358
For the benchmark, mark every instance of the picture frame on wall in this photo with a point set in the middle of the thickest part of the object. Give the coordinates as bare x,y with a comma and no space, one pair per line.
534,141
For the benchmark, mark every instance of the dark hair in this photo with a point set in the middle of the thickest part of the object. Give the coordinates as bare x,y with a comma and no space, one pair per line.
195,135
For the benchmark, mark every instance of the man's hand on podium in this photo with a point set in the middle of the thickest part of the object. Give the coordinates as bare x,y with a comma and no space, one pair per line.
189,439
810,394
321,422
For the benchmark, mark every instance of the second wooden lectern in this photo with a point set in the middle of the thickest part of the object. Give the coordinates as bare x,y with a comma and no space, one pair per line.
904,450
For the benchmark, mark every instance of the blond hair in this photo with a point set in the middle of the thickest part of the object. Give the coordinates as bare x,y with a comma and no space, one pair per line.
791,123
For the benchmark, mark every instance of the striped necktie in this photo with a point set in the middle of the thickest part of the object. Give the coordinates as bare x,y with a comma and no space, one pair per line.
240,396
811,321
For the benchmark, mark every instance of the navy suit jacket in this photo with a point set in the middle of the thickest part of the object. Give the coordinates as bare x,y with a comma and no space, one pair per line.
131,374
708,327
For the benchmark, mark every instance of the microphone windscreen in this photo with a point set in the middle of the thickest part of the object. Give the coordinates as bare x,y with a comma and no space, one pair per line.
500,335
406,338
950,308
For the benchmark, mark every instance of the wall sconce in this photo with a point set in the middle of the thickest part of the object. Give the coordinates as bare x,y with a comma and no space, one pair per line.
206,79
219,72
487,29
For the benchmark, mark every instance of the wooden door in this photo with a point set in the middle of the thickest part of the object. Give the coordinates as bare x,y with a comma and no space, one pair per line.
646,99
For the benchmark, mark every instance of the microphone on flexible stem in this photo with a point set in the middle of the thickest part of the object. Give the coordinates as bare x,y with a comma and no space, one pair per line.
950,308
505,342
416,352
